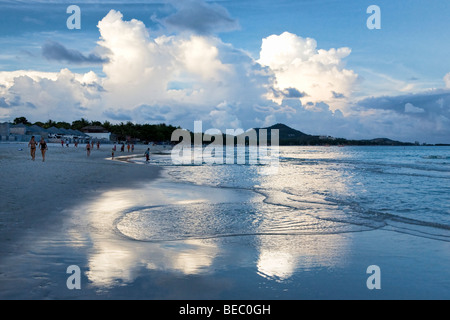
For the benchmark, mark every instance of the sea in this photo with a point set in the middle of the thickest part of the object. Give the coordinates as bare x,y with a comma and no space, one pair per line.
310,190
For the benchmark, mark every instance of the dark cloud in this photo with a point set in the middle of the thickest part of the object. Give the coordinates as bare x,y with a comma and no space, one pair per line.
337,95
433,102
141,113
94,86
30,105
288,93
3,103
200,17
152,113
54,51
293,93
117,115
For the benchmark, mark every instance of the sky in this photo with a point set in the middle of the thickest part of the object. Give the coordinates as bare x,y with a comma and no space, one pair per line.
314,65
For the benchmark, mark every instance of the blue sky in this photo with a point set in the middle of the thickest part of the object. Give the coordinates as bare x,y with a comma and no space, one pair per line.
232,64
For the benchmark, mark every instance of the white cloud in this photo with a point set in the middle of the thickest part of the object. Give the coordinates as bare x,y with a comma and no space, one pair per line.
447,80
297,63
224,117
191,73
59,96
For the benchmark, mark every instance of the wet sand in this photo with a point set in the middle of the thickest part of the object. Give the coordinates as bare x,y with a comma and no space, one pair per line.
36,194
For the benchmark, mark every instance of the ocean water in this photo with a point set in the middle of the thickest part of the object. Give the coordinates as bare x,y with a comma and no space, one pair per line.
312,191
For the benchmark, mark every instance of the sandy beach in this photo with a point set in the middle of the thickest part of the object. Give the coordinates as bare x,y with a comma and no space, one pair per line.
136,234
35,194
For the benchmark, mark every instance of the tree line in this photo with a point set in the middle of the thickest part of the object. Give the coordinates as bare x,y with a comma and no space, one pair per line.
122,131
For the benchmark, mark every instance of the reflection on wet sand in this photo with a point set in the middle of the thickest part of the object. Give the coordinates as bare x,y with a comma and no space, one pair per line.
180,227
312,233
120,263
282,256
115,260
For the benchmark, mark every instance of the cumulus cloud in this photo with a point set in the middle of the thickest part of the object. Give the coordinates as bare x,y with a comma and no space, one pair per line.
178,78
185,76
59,95
447,80
55,51
297,63
193,73
223,116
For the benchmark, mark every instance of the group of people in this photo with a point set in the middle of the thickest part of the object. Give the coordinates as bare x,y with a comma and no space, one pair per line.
122,147
42,145
33,145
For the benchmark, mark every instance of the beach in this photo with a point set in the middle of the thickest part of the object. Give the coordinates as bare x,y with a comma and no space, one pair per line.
35,195
158,231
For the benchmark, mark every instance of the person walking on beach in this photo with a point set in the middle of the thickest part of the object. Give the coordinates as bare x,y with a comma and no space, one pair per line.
62,143
88,149
32,144
98,145
128,147
147,155
132,148
122,148
43,146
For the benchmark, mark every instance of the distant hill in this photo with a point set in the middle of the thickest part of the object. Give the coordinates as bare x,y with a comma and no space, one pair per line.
289,136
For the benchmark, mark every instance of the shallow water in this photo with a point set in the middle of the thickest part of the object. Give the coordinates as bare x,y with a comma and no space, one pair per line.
316,190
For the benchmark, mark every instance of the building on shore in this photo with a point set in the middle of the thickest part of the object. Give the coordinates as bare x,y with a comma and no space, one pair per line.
23,133
4,131
18,129
97,132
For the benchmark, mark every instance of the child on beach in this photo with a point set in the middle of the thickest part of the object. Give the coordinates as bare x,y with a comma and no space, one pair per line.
44,148
32,144
147,155
112,153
